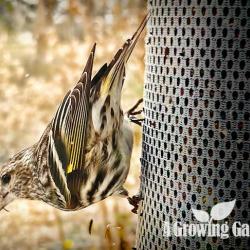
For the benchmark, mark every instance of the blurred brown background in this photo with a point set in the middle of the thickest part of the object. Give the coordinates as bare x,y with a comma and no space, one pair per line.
43,48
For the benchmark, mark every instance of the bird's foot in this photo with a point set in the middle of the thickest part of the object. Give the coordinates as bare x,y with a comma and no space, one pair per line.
137,121
133,113
134,201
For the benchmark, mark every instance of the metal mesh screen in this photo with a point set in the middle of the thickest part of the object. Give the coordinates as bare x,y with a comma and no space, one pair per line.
196,131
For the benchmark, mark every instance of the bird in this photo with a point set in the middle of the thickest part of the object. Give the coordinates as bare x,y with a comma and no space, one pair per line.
84,154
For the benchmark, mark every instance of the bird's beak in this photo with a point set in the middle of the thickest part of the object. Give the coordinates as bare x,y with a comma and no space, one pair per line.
5,199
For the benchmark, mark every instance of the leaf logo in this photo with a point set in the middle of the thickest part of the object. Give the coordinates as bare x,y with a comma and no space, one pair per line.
221,210
200,215
218,212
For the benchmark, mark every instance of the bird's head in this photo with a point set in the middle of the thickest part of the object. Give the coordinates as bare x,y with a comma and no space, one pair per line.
7,184
16,180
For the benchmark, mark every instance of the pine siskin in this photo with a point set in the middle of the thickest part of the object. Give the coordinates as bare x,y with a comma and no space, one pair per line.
84,154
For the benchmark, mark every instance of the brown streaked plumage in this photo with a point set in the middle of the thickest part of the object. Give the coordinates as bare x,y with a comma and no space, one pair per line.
84,154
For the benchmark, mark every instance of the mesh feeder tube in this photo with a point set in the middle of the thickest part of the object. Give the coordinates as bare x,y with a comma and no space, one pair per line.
195,149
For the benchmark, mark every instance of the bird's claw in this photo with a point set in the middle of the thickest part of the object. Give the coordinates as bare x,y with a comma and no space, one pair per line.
137,121
132,113
134,201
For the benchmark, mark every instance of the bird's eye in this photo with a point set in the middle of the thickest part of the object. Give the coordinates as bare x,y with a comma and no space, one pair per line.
6,178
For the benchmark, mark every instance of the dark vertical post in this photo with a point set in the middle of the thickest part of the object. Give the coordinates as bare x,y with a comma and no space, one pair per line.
196,132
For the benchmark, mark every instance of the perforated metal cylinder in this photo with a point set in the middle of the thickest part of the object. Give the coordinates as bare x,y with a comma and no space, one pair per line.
196,132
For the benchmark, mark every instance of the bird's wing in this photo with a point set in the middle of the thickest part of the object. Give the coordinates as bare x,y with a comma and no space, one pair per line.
68,135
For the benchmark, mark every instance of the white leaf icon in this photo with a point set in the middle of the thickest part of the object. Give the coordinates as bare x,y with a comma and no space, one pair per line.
200,215
221,210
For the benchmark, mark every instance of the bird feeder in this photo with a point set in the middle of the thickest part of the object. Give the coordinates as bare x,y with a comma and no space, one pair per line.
195,150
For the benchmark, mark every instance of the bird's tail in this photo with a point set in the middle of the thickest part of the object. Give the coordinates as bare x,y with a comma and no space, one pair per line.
107,86
111,77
